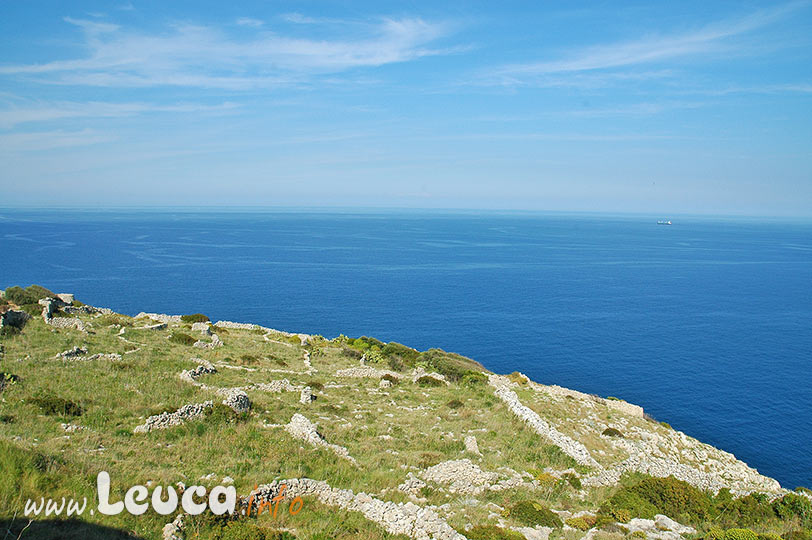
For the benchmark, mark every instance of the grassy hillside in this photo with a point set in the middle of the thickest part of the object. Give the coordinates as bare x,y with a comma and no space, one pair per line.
431,429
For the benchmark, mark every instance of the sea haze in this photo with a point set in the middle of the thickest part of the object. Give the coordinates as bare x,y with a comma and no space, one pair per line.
706,323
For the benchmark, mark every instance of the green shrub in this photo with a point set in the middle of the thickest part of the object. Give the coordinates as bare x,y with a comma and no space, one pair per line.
194,317
474,378
491,532
518,378
427,380
533,514
57,406
454,404
223,414
391,378
769,536
582,523
612,432
666,425
573,480
797,535
751,509
29,295
315,385
406,354
801,489
740,534
622,515
248,359
792,506
182,339
667,496
452,366
639,534
715,533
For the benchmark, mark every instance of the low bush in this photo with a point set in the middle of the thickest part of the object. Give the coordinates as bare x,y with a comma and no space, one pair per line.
518,378
573,480
29,295
248,359
639,534
491,532
452,366
474,378
797,535
194,317
182,339
740,534
792,506
315,385
391,378
612,432
427,380
408,355
582,523
667,496
454,404
57,406
223,414
533,514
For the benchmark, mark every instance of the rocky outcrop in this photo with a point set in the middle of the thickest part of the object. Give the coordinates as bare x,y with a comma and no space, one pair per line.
569,446
302,428
306,396
236,399
167,420
408,519
471,445
14,318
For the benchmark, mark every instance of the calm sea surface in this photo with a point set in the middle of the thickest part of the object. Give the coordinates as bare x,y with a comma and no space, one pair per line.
707,323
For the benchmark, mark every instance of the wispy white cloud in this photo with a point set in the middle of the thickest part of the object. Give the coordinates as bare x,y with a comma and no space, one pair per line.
43,112
204,56
248,21
597,63
13,143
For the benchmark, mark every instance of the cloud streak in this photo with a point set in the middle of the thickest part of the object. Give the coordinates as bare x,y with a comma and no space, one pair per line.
595,63
204,56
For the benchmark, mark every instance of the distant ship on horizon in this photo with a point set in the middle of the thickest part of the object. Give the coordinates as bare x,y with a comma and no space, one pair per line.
664,222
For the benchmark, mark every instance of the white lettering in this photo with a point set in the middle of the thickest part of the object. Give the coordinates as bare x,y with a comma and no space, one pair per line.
103,486
189,504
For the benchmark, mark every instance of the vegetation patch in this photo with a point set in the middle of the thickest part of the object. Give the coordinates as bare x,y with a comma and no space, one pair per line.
194,317
491,532
29,295
667,496
612,432
454,404
57,406
428,380
532,513
582,523
182,339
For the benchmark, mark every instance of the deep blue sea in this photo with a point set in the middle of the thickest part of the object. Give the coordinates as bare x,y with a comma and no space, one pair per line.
706,323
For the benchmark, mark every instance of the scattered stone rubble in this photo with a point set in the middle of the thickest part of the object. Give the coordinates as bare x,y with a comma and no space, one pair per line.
366,372
306,396
215,342
464,477
302,428
202,327
412,485
396,518
167,420
660,528
571,447
161,317
72,353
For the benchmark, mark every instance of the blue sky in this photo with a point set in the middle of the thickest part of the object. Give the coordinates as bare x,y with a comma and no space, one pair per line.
688,107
